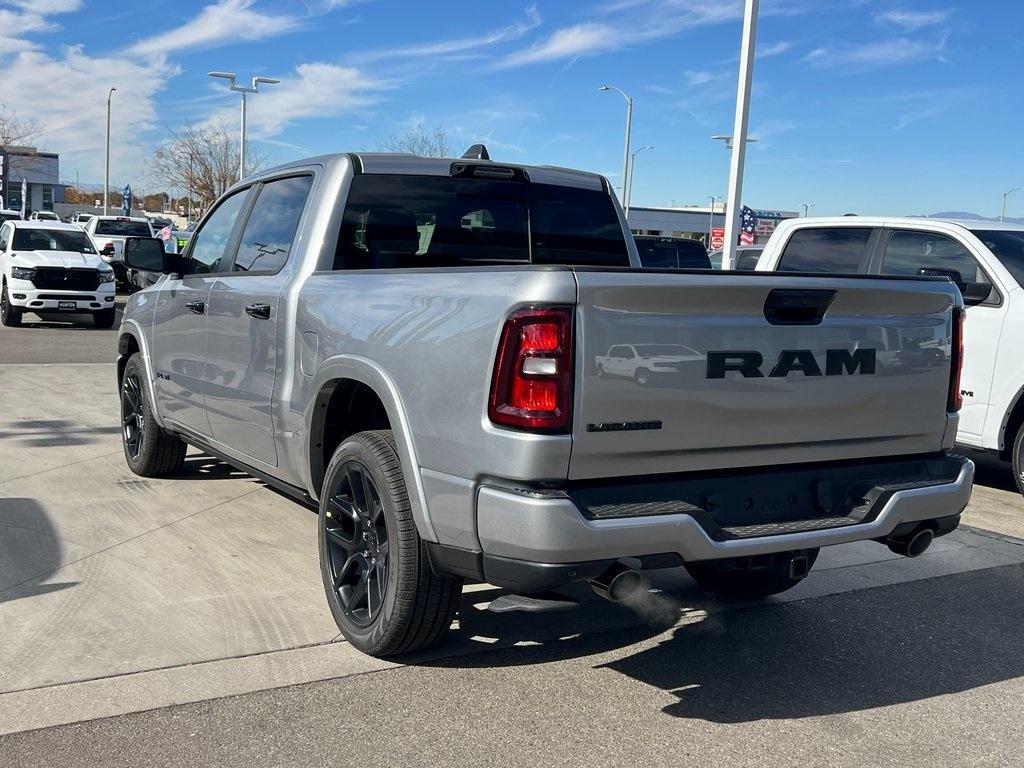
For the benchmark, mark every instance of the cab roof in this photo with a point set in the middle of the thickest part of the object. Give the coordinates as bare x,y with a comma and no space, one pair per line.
42,224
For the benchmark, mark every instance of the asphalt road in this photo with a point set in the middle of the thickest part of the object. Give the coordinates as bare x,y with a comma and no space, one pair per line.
59,338
885,669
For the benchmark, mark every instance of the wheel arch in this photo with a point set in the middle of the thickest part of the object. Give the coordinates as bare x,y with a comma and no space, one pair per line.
353,386
1012,421
130,341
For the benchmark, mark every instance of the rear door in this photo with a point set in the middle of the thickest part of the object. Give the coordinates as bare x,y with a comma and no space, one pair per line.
780,369
242,327
179,323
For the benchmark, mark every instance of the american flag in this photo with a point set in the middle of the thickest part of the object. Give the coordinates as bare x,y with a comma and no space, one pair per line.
747,222
165,233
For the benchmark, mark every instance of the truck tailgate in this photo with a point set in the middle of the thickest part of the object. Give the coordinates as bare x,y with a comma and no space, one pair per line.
679,371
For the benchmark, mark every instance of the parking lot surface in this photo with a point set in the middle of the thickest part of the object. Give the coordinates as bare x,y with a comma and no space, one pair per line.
182,622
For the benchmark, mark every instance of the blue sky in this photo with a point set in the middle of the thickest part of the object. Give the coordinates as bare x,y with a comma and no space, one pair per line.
873,106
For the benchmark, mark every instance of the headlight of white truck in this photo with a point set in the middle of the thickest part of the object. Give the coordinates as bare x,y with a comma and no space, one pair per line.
106,275
23,273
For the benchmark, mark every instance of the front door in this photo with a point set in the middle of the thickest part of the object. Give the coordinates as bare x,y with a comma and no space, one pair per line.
179,326
242,356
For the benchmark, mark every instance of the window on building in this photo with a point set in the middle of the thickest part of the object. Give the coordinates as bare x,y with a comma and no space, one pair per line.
47,198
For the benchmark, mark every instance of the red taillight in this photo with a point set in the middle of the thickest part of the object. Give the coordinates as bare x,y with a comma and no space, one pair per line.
532,383
956,398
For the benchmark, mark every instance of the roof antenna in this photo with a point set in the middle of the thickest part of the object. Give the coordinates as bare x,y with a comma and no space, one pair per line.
476,152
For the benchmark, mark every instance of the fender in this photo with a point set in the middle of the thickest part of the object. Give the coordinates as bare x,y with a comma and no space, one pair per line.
133,329
367,372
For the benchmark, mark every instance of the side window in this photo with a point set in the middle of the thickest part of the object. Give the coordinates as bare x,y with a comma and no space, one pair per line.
5,236
907,252
210,244
269,232
840,250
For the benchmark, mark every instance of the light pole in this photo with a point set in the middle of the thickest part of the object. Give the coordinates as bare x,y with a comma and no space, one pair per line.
231,77
632,164
1006,194
106,162
806,206
625,151
711,218
739,132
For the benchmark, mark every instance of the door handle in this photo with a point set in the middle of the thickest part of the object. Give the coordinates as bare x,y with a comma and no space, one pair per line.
259,311
196,307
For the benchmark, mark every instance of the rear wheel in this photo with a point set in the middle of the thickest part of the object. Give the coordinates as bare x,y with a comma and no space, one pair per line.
1018,459
380,587
9,315
752,577
104,318
150,450
642,376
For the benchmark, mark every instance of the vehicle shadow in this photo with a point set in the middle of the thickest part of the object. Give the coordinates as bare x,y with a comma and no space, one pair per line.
41,433
842,653
990,470
203,467
67,321
30,550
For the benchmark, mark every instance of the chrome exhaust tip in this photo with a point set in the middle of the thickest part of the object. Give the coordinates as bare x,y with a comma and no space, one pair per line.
619,583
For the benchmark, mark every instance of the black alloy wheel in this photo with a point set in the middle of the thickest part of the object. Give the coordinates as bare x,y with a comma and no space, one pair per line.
357,544
133,415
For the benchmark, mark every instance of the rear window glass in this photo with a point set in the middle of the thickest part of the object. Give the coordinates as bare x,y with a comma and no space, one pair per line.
51,240
395,221
672,253
123,228
827,249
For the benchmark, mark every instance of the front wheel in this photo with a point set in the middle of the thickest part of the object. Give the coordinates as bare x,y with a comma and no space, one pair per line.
753,577
380,587
9,314
150,450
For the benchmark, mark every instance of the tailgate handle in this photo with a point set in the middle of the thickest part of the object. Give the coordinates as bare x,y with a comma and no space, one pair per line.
794,306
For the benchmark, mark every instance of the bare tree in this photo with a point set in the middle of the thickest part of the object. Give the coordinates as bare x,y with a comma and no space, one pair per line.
15,132
202,160
419,141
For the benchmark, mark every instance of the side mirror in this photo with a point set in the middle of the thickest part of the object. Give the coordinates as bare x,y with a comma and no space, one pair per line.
146,254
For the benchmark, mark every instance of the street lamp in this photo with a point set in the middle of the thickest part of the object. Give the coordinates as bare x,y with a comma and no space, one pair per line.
106,157
625,151
231,77
711,218
806,206
1006,194
727,140
632,164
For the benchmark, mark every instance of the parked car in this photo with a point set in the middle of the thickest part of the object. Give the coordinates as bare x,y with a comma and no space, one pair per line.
7,214
746,257
108,234
53,267
984,258
80,218
44,216
409,343
671,252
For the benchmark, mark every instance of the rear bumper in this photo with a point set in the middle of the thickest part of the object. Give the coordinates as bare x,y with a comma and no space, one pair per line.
556,535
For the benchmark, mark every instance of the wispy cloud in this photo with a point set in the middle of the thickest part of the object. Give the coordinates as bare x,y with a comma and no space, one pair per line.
879,54
225,21
702,76
450,47
774,49
911,20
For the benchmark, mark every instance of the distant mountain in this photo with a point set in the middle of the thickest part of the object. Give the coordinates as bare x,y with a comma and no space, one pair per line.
971,217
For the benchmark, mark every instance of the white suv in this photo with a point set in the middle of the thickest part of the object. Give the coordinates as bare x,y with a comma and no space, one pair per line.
53,267
985,259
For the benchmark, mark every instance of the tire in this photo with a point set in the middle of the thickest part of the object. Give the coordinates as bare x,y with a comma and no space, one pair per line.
641,376
1017,459
729,579
150,450
9,315
104,318
380,587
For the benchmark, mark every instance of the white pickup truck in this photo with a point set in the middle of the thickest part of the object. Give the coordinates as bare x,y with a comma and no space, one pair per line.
108,234
985,259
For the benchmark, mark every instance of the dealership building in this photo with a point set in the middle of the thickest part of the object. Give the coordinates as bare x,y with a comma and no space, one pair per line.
41,171
697,222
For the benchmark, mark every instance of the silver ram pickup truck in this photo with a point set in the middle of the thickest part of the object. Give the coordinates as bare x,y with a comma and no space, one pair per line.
420,348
